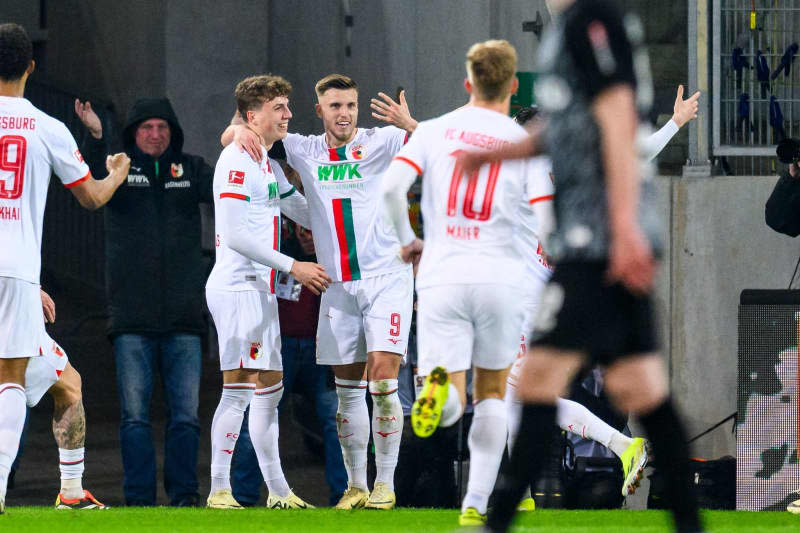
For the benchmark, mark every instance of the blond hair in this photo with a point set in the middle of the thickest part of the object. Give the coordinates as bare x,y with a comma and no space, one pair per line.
252,92
335,81
491,66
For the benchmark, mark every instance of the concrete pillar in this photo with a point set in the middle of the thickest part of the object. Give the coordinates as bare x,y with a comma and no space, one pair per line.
699,164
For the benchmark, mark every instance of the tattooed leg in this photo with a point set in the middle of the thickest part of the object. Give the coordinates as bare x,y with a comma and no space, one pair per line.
69,430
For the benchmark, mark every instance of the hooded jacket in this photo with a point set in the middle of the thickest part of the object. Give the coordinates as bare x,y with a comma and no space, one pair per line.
155,273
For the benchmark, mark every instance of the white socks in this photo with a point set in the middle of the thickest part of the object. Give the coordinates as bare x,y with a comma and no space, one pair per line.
387,428
576,418
12,420
225,431
264,434
352,422
452,409
514,411
70,463
487,439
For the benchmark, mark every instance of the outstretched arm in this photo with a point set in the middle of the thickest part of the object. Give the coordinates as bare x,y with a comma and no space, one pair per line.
246,139
93,194
683,111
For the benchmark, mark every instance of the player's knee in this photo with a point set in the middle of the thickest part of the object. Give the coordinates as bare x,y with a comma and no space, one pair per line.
384,366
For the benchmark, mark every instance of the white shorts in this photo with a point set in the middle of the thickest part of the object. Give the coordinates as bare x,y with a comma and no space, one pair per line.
43,372
460,326
21,318
362,316
530,307
247,329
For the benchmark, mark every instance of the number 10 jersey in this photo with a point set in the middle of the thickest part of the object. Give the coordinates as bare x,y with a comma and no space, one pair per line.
472,225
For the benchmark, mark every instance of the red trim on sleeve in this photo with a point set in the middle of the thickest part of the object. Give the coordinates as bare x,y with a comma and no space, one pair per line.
541,199
405,139
78,182
410,162
234,195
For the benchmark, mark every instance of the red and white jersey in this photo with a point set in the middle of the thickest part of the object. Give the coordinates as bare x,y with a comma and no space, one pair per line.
472,227
352,237
32,145
542,191
256,188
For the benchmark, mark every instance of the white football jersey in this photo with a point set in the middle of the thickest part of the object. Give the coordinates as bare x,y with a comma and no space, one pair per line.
258,188
542,191
352,237
32,145
472,226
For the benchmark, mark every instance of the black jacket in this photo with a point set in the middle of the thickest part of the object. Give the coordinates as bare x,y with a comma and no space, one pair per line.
782,212
155,273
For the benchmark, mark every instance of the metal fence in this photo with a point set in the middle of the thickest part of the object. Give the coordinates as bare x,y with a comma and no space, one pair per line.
756,96
72,238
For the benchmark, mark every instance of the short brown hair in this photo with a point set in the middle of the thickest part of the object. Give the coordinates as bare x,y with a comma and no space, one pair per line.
335,81
491,65
252,92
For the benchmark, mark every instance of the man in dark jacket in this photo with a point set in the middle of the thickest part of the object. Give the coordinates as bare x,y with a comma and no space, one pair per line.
154,281
782,212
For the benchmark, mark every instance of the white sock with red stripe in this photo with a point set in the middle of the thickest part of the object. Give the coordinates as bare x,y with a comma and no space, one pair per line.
225,431
487,440
70,463
577,419
387,428
12,419
452,409
352,422
264,434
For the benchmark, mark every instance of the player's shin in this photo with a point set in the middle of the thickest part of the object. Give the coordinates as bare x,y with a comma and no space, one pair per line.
225,431
264,434
12,419
387,428
486,444
352,421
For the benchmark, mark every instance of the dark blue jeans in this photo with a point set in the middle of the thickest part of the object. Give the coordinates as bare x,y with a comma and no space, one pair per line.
299,369
178,358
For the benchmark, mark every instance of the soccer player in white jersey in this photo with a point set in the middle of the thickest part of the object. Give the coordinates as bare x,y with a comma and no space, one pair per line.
248,199
468,283
32,145
365,314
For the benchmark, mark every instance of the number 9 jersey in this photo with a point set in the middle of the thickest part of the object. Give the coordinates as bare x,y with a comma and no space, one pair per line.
32,144
472,223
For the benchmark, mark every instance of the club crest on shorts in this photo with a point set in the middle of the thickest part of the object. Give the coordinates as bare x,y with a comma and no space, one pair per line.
358,151
176,169
255,350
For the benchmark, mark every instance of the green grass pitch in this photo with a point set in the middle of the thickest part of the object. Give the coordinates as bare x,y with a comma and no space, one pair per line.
198,520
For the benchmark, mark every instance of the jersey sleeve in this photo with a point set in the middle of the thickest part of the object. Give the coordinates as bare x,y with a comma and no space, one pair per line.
292,144
598,46
65,158
539,181
236,176
413,153
395,138
293,204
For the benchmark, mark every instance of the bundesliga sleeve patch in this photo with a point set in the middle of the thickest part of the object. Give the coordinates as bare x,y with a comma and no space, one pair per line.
235,177
78,156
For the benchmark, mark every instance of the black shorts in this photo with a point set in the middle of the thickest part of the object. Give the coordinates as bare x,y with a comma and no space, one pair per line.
581,311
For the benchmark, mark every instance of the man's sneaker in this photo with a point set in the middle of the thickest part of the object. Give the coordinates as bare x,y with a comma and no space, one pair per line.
87,501
353,498
222,499
793,507
382,497
634,459
292,501
527,504
471,517
427,409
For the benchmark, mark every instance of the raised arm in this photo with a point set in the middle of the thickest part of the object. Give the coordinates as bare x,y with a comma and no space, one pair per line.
395,113
93,194
246,139
683,111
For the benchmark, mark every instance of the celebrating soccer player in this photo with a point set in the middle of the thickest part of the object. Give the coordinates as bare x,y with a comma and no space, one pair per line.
32,145
248,198
365,314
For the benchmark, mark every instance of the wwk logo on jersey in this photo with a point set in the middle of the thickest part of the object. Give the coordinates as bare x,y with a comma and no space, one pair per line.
235,177
272,190
345,171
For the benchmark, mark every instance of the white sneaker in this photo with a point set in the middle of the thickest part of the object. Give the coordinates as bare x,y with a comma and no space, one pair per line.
793,507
